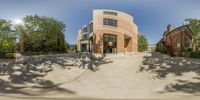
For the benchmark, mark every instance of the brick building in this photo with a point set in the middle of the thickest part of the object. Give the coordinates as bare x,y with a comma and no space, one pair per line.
176,40
110,32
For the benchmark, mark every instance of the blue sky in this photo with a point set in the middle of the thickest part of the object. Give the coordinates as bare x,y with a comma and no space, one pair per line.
151,16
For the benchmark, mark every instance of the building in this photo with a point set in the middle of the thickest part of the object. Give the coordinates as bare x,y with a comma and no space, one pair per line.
110,32
151,47
175,41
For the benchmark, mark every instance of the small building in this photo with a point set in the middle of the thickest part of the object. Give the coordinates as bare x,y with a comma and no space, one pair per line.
110,32
151,47
175,41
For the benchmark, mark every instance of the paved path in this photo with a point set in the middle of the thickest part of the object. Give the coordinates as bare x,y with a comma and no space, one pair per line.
123,79
138,76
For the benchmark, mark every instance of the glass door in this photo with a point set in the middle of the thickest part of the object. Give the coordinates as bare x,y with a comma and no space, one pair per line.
109,43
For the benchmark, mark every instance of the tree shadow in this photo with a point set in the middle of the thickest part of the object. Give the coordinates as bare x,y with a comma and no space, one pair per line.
163,65
17,73
86,61
184,86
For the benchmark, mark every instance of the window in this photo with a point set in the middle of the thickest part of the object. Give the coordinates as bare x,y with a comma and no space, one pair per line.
91,27
177,43
85,29
109,43
110,13
85,36
110,22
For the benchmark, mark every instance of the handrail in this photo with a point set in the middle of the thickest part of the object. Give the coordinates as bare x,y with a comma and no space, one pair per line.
170,50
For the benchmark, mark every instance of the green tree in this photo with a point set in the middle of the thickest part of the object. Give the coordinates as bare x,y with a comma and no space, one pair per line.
194,25
66,46
7,37
142,43
41,33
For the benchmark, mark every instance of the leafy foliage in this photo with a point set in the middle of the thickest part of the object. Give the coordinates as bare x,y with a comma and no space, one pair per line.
41,33
195,54
194,25
7,37
142,43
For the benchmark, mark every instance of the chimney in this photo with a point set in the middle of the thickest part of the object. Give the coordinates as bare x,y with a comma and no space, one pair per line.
169,28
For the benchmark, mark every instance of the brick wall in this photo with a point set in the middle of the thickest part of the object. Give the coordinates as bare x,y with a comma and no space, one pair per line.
125,26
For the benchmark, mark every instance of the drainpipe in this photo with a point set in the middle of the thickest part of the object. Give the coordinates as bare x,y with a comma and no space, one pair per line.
181,39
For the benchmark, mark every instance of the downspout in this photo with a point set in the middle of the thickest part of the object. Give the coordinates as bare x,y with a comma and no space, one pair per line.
181,41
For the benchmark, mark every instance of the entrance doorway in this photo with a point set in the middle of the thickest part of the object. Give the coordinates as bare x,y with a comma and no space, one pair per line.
109,43
84,48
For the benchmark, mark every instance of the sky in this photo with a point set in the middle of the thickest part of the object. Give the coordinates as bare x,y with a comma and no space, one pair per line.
151,16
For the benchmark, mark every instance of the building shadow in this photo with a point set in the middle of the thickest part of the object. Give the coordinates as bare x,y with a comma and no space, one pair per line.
162,65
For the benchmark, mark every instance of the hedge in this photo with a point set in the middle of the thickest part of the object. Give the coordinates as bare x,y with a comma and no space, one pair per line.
195,54
4,55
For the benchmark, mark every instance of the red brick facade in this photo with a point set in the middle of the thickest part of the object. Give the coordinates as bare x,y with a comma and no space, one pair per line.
177,40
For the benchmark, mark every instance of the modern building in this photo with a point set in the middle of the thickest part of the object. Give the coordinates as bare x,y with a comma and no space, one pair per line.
176,40
109,32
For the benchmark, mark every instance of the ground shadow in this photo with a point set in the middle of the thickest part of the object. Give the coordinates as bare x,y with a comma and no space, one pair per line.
162,65
86,60
184,86
17,73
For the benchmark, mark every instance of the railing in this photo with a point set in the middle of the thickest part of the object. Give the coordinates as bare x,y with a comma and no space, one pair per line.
169,49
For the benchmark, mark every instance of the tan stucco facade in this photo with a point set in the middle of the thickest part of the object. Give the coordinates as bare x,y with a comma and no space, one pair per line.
126,32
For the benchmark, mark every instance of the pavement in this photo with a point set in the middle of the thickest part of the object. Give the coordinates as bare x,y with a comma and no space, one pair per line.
141,76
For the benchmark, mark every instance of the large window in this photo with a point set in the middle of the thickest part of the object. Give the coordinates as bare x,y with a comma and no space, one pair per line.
109,43
85,36
110,22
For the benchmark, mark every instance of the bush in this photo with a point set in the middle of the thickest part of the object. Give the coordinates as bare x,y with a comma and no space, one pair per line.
10,55
2,55
7,55
29,53
195,54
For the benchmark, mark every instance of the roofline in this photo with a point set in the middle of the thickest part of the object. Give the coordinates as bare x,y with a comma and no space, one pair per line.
114,11
179,28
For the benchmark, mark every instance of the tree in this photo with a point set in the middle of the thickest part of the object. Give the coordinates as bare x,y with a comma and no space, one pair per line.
194,25
142,43
7,37
41,33
66,46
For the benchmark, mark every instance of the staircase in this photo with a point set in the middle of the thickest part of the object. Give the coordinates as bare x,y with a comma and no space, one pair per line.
168,49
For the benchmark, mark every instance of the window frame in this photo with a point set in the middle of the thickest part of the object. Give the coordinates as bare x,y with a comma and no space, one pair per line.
110,22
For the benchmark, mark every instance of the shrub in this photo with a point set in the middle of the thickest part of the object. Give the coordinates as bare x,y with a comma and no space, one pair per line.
7,55
195,54
10,55
2,55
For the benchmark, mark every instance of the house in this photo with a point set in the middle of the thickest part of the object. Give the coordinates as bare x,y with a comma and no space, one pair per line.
110,32
175,41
